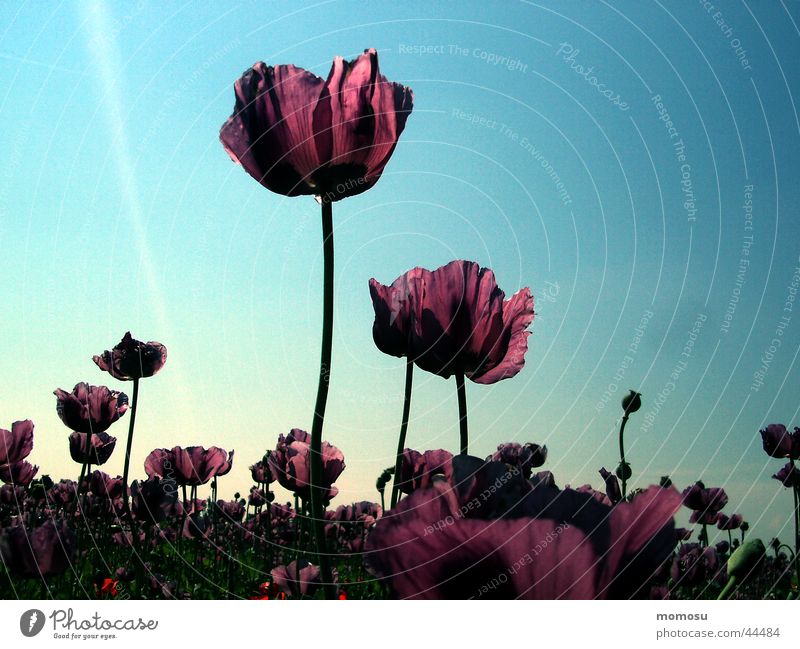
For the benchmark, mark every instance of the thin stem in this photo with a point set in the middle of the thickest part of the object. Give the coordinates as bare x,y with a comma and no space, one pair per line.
125,500
462,413
317,505
129,445
796,532
401,442
729,588
622,463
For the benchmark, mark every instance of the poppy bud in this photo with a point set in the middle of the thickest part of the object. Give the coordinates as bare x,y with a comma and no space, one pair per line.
631,402
624,471
745,559
665,482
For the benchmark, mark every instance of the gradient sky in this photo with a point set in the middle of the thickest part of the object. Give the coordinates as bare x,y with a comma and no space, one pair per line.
120,210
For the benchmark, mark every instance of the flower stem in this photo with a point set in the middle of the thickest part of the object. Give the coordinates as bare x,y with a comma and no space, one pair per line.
401,442
462,413
797,533
317,505
128,447
622,462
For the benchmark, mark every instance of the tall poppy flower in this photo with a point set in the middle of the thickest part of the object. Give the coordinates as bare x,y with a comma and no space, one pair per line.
453,321
20,473
132,359
296,134
90,408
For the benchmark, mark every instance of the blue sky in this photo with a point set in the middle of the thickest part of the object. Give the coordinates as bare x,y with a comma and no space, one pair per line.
539,145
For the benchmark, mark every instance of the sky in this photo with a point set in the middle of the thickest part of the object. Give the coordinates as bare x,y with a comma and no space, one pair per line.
633,163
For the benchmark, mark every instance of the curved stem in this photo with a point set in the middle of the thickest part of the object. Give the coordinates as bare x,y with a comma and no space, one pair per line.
462,413
729,587
401,442
622,454
796,532
317,505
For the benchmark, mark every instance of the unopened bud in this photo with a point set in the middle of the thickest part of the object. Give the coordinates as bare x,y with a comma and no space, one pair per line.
631,402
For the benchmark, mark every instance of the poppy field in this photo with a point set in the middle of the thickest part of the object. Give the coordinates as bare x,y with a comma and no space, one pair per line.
444,523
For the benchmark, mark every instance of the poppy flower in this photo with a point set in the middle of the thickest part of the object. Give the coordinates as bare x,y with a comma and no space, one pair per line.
44,551
16,444
20,473
694,565
733,522
788,475
261,472
132,359
417,470
296,133
300,578
90,408
295,475
779,442
702,499
94,448
154,499
573,548
526,457
193,465
453,320
104,486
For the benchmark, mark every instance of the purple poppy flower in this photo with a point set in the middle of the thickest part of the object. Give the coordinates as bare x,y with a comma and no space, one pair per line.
290,463
64,492
425,548
193,465
694,565
298,579
90,408
20,473
92,448
12,495
104,486
16,444
453,320
262,473
704,517
733,522
417,470
526,457
296,133
613,490
722,547
132,359
683,534
788,475
44,551
154,499
701,499
256,498
779,442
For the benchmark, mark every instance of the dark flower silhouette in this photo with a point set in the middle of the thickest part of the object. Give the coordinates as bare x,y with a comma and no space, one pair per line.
132,359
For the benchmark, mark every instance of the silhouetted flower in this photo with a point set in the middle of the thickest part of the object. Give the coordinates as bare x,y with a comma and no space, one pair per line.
262,473
90,408
193,465
779,442
525,457
417,470
701,499
132,359
733,522
613,490
454,319
92,448
291,465
20,473
154,499
16,444
44,551
788,475
296,133
449,542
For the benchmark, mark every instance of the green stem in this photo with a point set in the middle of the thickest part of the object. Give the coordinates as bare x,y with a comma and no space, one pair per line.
125,500
317,505
462,413
622,462
401,442
796,533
